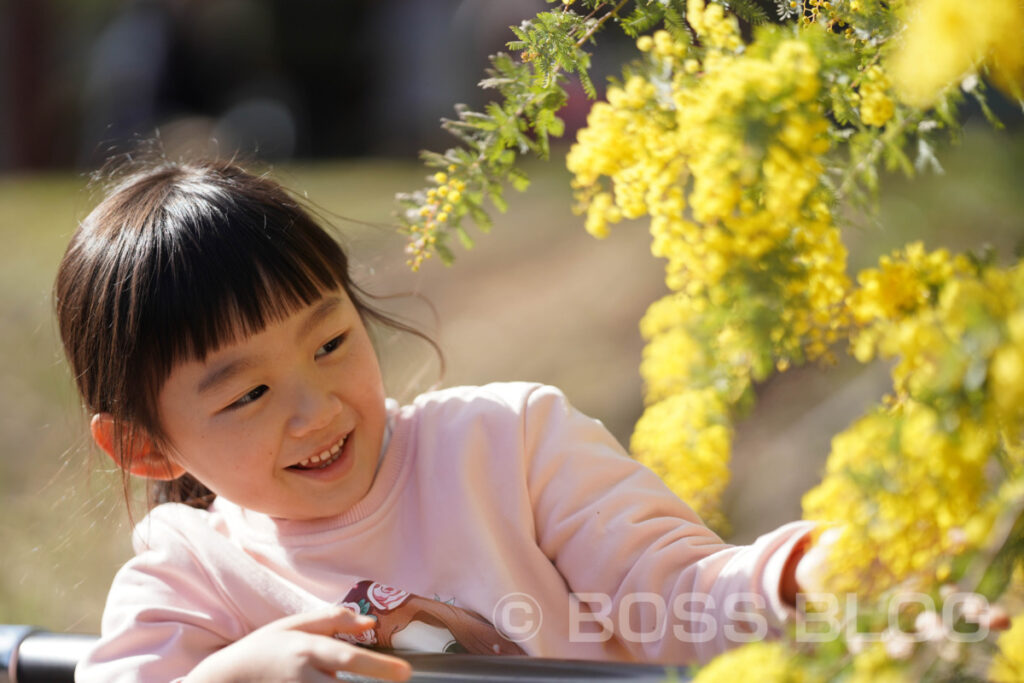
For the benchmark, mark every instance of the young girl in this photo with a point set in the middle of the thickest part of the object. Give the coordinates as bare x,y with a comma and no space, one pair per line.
222,350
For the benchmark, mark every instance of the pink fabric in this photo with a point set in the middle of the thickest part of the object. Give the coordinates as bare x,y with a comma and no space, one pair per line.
483,493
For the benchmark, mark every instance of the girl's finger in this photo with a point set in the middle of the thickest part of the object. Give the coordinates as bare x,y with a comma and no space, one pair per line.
326,622
332,655
995,618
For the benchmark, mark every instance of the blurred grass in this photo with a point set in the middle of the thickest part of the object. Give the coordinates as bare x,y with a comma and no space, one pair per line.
537,299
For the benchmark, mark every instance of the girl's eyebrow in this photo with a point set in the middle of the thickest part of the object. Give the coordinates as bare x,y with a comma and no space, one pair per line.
224,373
316,316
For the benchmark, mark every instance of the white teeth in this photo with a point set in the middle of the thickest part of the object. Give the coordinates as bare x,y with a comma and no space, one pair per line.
325,457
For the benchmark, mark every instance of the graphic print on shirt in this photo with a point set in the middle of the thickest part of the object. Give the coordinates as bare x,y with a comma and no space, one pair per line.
406,621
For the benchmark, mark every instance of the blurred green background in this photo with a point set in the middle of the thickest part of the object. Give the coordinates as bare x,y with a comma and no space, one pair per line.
537,299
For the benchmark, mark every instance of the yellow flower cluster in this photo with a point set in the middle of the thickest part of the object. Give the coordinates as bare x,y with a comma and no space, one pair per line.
713,25
1008,663
903,284
957,329
816,10
889,535
1007,371
442,201
627,141
765,661
876,107
685,433
947,40
662,45
664,145
874,665
673,357
952,433
686,439
721,147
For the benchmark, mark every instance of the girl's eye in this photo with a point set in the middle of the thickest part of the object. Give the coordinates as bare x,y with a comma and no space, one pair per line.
330,346
250,397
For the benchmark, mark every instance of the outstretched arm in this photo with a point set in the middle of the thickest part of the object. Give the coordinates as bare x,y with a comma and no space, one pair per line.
677,592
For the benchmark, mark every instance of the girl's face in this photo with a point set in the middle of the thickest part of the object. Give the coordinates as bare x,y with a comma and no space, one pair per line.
289,421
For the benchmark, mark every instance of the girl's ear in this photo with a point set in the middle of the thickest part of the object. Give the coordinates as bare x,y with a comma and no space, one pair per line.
143,461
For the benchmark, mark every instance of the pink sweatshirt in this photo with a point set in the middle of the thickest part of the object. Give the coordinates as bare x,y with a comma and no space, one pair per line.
502,500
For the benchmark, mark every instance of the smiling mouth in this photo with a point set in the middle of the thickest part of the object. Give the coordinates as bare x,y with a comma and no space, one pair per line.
325,458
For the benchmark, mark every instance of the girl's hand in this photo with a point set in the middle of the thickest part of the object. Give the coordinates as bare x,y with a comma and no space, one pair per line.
300,648
806,566
812,568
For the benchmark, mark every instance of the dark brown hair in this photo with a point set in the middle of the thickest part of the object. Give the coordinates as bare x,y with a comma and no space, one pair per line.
177,260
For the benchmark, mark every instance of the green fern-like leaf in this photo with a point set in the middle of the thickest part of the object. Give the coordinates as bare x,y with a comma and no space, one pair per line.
520,121
748,11
675,21
644,18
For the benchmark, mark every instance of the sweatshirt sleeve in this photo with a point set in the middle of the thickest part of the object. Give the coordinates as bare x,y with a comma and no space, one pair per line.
669,588
164,613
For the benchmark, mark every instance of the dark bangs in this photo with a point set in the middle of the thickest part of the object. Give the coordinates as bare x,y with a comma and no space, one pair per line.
225,270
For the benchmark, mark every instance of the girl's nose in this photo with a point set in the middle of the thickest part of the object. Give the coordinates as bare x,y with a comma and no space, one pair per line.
314,409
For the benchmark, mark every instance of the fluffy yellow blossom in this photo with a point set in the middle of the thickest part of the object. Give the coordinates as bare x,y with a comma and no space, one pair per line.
663,45
1008,664
648,157
441,205
669,360
956,333
945,40
876,107
686,439
874,665
712,25
746,198
903,282
1008,376
766,662
1006,63
948,324
758,249
675,358
1006,370
889,536
599,213
692,343
623,142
